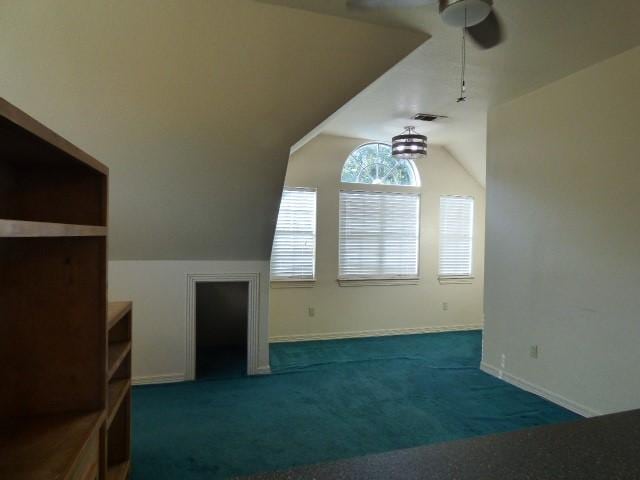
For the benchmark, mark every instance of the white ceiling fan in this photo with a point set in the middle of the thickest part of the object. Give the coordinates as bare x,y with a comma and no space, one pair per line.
477,17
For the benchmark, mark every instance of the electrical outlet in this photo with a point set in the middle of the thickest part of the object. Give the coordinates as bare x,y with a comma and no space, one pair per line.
503,361
312,312
533,351
445,306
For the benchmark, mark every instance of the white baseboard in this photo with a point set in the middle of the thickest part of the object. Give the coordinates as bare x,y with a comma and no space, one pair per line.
263,370
372,333
153,379
575,407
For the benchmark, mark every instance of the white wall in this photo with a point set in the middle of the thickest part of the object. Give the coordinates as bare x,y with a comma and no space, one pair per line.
563,235
159,293
372,310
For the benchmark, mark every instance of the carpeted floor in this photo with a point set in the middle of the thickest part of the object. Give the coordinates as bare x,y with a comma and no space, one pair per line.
325,401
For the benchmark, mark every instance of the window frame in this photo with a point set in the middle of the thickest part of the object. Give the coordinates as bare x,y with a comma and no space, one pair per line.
467,278
283,282
362,280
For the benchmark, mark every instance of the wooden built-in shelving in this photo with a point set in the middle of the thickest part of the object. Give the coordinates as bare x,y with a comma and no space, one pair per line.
47,446
118,389
115,312
118,351
118,435
118,471
58,355
25,137
44,178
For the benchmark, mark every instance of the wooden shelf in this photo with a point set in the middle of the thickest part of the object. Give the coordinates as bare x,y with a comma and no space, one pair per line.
115,311
20,228
45,446
53,286
118,441
118,389
119,471
117,353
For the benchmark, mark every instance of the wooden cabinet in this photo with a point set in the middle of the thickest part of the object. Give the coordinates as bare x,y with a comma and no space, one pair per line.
56,358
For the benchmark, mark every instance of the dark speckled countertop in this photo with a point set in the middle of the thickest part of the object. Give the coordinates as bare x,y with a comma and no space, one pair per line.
602,448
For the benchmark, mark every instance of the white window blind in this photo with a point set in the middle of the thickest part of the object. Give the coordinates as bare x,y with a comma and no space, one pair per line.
378,235
294,244
456,236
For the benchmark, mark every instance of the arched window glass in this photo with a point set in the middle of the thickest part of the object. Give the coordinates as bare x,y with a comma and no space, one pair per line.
372,164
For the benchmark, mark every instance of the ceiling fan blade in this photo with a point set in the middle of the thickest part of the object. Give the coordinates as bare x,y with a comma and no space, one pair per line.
379,4
488,33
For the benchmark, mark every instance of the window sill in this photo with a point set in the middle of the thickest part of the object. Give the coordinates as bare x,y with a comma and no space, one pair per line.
366,282
455,280
293,283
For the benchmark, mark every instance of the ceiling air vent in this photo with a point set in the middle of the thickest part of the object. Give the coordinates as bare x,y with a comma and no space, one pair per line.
427,117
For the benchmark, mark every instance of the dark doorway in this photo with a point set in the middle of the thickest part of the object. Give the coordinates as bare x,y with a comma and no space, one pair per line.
221,329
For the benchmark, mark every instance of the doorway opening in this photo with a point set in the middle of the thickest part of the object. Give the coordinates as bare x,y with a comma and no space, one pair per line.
221,318
253,330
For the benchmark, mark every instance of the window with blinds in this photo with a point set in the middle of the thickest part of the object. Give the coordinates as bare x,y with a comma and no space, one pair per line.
294,243
378,235
456,236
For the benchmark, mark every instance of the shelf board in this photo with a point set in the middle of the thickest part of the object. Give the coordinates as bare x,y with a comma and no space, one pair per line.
117,353
45,446
20,228
115,311
117,391
118,471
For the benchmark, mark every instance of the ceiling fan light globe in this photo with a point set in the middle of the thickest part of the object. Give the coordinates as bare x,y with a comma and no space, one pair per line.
452,12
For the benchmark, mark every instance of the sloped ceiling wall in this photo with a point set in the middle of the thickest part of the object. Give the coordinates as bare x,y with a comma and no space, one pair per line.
193,104
545,40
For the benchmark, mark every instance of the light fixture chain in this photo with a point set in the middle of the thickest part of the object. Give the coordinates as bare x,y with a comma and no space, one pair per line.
463,85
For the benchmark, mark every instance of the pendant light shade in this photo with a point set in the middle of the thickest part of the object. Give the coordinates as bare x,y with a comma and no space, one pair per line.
409,145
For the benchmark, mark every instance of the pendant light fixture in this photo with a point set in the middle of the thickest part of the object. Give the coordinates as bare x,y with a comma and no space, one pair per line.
409,145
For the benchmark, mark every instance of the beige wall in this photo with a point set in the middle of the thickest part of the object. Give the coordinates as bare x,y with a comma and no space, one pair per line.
193,104
341,311
563,234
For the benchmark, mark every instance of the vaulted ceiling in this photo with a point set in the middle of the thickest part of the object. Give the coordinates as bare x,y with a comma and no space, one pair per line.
193,105
545,41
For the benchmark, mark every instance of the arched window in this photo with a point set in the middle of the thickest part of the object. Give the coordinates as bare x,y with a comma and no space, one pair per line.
379,230
373,164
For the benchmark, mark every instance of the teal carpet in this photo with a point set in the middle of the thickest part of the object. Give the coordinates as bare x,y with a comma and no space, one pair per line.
326,401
